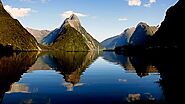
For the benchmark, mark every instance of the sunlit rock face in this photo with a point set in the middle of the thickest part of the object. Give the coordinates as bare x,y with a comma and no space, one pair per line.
38,34
74,22
170,33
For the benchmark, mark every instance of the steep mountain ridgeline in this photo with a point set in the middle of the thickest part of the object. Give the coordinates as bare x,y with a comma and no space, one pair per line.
117,41
170,33
49,39
71,36
139,36
142,34
38,34
70,40
13,34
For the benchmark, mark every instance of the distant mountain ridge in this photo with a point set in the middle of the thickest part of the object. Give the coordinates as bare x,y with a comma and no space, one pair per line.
131,36
13,34
71,36
38,34
49,39
142,34
120,40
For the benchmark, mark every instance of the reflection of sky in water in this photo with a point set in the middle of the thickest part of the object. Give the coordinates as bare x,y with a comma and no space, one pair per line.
102,82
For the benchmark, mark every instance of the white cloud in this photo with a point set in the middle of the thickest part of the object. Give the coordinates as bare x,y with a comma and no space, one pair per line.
69,13
134,2
138,3
17,12
149,3
152,1
122,19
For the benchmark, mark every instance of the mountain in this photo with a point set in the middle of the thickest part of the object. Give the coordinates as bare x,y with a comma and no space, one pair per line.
142,34
117,41
71,36
53,35
170,33
13,34
38,34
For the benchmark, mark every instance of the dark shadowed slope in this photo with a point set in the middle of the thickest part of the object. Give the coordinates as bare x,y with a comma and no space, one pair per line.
171,31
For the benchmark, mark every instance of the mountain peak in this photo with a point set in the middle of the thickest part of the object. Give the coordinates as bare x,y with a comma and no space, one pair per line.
73,17
73,21
71,37
142,23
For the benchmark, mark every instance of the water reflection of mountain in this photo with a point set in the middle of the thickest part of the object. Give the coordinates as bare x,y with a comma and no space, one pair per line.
12,67
138,64
39,65
170,65
167,62
70,64
142,65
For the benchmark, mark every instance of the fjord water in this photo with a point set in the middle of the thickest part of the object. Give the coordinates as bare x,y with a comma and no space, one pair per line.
78,77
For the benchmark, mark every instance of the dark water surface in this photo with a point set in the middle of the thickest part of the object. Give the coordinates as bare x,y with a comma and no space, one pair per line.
78,78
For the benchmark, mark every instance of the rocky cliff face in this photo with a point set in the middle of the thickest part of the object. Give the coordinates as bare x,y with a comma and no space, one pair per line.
38,34
71,36
73,21
13,34
170,33
142,34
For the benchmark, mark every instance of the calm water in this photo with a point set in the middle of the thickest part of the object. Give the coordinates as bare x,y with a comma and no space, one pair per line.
78,77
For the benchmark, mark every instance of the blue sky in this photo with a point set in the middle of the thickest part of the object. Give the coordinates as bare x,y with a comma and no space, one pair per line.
101,18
